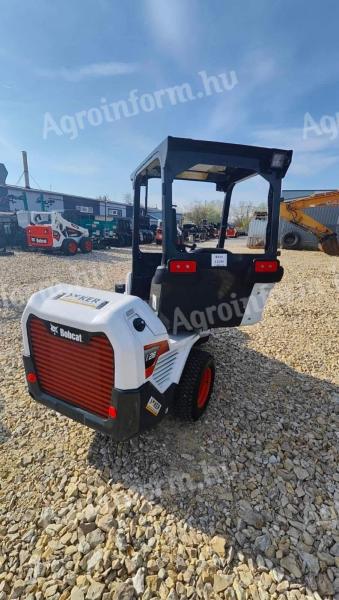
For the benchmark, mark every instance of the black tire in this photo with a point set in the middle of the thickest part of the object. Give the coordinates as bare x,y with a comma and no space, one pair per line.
158,242
86,245
69,247
97,244
121,240
186,404
291,241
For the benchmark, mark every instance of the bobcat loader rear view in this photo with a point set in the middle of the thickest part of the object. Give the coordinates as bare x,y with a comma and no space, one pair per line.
118,362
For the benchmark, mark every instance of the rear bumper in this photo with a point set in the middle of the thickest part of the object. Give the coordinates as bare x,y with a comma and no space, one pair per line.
132,415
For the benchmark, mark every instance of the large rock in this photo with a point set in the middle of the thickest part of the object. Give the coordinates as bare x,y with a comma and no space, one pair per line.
218,545
124,591
310,563
139,581
222,582
94,538
95,591
106,522
290,564
325,585
18,589
77,594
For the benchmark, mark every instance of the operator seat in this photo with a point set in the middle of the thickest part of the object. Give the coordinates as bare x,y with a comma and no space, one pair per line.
210,251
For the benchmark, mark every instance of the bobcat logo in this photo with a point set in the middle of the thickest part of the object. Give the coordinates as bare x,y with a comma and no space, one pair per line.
73,335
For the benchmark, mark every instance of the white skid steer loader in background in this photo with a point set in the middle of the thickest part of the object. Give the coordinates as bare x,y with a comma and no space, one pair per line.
51,231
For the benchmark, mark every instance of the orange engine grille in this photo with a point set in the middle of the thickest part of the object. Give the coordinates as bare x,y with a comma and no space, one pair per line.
79,373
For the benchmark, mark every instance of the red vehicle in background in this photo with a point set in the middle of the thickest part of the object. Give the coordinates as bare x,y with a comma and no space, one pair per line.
231,231
158,234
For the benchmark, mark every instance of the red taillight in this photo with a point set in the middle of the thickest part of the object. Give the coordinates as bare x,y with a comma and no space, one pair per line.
266,266
183,266
31,377
112,412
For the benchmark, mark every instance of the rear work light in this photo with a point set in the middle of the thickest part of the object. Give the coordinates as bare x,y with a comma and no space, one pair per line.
278,160
266,266
183,266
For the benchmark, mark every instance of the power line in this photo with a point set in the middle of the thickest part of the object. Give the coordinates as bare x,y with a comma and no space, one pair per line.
39,186
21,176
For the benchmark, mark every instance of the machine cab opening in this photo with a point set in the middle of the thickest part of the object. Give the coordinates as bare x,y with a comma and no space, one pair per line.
184,281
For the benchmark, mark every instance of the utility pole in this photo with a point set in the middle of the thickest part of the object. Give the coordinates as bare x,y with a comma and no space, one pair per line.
26,173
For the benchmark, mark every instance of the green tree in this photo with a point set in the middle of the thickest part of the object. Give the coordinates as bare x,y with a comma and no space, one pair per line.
200,211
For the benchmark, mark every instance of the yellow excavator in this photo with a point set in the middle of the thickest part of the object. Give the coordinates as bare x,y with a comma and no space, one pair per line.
293,212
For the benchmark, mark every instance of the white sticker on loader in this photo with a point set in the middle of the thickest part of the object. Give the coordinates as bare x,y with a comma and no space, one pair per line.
219,260
153,406
88,301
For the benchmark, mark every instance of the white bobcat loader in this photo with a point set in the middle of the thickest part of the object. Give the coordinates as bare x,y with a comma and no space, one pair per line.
119,361
51,231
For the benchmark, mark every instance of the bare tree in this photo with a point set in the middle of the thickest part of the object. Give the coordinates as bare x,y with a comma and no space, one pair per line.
242,213
201,211
127,199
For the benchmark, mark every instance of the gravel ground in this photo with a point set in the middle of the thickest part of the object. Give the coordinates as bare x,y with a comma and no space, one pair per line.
240,505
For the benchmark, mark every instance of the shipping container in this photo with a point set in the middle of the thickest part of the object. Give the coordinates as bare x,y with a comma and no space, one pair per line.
257,230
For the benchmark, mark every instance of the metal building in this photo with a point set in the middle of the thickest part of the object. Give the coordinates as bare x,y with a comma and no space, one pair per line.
14,198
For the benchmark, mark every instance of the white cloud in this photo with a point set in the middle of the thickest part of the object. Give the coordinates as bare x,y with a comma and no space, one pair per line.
310,156
104,69
232,111
307,165
292,137
168,25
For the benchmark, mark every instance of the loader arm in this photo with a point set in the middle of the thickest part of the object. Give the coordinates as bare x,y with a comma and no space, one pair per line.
293,212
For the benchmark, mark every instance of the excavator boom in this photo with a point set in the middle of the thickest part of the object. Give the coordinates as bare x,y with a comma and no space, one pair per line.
293,212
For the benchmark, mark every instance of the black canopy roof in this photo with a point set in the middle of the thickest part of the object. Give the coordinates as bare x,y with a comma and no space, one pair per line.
216,162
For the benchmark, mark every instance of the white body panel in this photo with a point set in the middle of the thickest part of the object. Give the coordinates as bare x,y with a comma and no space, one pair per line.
78,308
113,314
256,303
170,366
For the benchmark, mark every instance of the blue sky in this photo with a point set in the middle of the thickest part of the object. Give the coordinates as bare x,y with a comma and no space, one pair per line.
64,57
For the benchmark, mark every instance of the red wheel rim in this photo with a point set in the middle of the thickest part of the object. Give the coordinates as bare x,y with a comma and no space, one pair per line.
204,387
88,245
73,247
